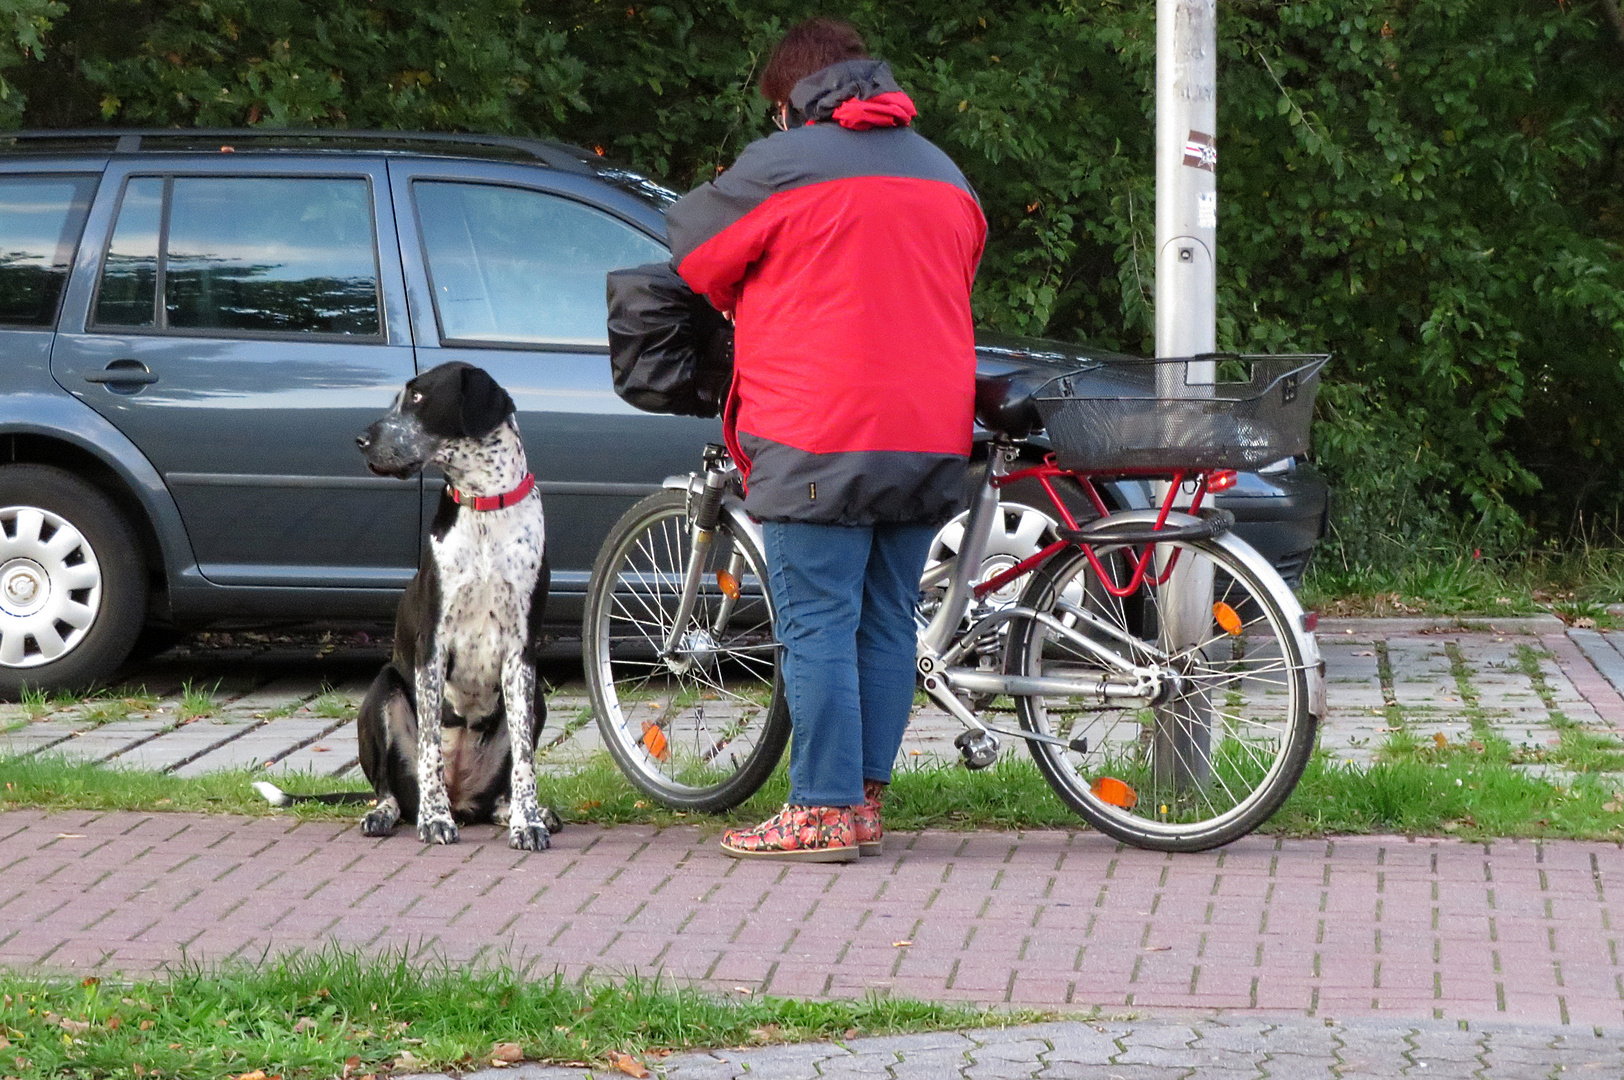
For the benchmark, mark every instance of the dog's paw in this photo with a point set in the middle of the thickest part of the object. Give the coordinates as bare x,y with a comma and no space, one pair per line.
533,837
550,819
437,830
379,822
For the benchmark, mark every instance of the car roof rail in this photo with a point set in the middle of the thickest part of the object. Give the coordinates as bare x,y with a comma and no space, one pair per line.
555,155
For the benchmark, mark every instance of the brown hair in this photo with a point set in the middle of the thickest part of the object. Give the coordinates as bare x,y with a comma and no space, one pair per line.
808,47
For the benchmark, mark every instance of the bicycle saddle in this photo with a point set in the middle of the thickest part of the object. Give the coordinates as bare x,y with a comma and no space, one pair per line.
1005,403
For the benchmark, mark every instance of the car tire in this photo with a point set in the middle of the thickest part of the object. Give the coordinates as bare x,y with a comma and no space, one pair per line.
72,589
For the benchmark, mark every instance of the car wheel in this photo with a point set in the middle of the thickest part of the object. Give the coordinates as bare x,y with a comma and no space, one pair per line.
72,592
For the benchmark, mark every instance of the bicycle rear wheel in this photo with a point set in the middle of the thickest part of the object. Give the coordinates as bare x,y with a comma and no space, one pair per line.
1226,745
703,728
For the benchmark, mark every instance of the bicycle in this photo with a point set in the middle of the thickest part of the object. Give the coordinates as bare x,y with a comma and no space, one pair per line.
1164,678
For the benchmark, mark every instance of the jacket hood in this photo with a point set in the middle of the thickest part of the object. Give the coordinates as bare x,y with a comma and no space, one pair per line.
857,94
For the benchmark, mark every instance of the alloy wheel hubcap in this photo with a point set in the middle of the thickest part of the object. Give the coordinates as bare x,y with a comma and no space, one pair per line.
50,586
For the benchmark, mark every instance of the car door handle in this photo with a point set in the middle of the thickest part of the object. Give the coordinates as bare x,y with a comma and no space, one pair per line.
123,373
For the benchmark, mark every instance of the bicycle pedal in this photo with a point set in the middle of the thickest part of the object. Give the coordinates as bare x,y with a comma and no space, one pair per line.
1078,745
980,748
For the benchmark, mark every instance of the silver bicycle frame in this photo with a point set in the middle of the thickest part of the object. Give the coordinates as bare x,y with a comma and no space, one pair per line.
939,651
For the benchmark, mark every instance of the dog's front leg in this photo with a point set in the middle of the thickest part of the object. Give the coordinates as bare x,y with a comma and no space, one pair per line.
434,824
527,827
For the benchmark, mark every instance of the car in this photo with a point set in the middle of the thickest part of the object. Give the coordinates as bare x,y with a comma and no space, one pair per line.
194,326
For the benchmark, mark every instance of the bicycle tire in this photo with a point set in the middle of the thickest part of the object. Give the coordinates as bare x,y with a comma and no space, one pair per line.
708,757
1181,783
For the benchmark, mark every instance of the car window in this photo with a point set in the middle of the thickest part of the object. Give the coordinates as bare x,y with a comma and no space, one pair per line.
512,265
126,296
243,255
41,218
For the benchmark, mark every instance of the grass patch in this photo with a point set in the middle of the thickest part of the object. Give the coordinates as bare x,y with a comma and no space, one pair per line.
1458,793
1576,585
1471,789
341,1014
332,705
196,702
52,782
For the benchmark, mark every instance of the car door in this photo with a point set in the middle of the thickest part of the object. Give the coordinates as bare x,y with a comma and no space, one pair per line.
505,270
241,329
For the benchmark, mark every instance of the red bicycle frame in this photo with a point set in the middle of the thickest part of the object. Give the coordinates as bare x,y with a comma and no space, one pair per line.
1048,472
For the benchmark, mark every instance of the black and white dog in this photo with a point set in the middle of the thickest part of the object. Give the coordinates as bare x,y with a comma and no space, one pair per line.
468,629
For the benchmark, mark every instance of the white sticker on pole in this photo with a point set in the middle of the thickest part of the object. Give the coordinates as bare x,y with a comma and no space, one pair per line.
1206,210
1201,151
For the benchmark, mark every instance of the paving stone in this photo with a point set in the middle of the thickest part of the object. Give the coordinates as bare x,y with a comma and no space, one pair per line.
322,757
185,743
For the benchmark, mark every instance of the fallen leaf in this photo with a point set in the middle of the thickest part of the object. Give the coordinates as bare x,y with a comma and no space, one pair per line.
145,1025
1364,652
1439,740
1157,948
351,1063
900,944
89,980
138,1069
304,1024
257,1074
113,1023
76,1027
627,1064
507,1053
407,1060
743,990
5,1043
1614,805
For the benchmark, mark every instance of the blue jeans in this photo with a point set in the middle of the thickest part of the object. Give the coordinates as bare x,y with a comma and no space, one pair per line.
845,598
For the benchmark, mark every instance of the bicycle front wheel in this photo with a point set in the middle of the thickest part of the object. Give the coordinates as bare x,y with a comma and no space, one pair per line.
700,727
1225,745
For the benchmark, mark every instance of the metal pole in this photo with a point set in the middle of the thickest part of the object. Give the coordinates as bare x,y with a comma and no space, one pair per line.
1186,324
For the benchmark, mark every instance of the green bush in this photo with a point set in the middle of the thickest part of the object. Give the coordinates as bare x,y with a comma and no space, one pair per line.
1431,189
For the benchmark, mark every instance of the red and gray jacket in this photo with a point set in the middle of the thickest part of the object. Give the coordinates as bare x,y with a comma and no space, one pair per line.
845,249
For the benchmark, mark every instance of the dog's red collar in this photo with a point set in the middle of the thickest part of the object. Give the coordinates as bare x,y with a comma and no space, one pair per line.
494,502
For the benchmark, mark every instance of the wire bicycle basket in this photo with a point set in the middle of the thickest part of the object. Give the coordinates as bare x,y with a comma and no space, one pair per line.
1151,415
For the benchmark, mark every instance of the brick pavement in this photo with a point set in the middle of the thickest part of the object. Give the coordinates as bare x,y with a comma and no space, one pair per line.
1362,926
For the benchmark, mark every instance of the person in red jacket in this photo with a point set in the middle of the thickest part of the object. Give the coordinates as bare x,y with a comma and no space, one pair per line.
844,247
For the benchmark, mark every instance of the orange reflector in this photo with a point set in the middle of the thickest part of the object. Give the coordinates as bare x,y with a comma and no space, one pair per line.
1222,479
1111,790
728,584
654,740
1227,618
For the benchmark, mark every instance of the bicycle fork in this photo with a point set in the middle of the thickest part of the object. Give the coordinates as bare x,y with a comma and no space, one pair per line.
679,648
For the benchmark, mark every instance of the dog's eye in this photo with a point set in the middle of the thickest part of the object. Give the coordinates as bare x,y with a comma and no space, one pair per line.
417,396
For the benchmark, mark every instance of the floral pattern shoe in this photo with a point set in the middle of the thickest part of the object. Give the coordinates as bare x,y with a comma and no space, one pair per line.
797,834
866,822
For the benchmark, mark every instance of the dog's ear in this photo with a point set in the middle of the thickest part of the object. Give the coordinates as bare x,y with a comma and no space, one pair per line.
436,397
458,401
484,404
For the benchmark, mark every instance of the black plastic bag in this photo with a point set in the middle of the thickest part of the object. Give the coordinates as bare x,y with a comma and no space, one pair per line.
669,350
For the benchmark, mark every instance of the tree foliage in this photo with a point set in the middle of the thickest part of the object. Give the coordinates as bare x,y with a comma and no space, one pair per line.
1431,189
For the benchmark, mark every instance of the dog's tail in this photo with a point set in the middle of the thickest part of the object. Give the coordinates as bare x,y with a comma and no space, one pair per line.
277,797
